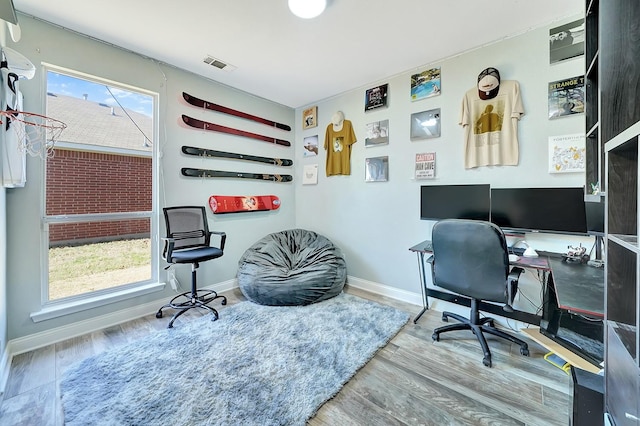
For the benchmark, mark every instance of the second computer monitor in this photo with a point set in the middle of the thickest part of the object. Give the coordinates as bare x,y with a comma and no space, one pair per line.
555,210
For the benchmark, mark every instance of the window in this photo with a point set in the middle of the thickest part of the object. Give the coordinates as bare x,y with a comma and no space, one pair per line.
99,188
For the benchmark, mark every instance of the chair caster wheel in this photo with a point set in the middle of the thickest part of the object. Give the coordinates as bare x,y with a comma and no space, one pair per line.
445,318
224,302
435,337
159,314
524,351
486,361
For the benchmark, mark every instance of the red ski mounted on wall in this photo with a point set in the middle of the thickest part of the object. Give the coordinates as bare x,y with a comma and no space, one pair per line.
205,125
192,100
235,204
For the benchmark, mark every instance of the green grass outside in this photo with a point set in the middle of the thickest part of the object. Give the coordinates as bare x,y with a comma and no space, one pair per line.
78,269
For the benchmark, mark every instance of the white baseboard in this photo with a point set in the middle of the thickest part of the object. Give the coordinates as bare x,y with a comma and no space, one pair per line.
384,290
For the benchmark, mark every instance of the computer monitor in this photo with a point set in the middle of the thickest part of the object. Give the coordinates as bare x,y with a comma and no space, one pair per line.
455,202
553,210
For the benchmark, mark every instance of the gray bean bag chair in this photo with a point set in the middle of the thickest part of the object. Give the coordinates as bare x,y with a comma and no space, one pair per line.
292,267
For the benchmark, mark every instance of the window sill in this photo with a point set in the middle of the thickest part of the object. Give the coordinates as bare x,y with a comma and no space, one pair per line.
62,309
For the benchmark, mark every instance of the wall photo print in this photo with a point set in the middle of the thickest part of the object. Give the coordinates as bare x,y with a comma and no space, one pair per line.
425,84
310,117
310,144
377,133
376,97
567,154
566,41
376,169
566,97
425,124
426,165
310,174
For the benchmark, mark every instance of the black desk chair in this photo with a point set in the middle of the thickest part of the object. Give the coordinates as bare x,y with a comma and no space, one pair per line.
188,241
470,258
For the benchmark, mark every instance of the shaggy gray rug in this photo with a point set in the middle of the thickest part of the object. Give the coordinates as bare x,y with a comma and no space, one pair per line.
256,365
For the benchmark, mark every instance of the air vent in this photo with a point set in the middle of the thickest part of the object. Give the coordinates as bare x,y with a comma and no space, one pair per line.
214,62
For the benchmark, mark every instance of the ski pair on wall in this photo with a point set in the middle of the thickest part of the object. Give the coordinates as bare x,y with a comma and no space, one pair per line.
211,153
206,173
192,100
205,125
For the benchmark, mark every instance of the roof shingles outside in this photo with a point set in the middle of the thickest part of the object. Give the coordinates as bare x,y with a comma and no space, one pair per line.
91,123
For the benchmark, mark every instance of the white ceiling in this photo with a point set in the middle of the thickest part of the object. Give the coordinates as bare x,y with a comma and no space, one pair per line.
293,61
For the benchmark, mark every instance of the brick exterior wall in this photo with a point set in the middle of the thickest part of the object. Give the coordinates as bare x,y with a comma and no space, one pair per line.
80,182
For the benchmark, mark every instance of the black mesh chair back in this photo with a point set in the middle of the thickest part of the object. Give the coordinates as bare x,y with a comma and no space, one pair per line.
187,225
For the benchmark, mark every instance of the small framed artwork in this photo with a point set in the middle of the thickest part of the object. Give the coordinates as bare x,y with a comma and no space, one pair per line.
376,169
310,117
566,97
425,124
425,84
376,97
426,165
310,144
566,41
567,154
310,174
377,133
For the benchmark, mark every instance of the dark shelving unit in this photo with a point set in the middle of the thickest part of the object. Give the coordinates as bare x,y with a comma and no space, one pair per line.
613,75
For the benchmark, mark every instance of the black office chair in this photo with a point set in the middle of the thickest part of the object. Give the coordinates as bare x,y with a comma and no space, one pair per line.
189,241
470,258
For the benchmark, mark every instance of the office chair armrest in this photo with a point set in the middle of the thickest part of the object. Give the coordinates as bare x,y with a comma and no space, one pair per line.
167,252
512,287
223,238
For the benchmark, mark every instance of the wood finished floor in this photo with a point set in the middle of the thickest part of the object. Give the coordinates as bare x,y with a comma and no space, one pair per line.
411,381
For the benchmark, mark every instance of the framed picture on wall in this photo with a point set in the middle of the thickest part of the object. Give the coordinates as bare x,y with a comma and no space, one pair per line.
310,117
377,133
310,144
567,154
310,174
426,165
566,97
566,41
376,169
425,124
376,97
425,84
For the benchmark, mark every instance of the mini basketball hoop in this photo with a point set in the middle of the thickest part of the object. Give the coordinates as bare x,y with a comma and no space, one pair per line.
37,133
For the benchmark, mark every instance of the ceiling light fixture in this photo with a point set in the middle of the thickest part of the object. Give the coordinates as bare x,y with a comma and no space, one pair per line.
307,9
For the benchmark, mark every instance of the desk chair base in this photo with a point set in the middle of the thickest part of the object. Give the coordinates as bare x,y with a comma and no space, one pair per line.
478,327
192,299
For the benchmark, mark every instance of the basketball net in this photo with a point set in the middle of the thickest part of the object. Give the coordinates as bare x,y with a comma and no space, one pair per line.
37,133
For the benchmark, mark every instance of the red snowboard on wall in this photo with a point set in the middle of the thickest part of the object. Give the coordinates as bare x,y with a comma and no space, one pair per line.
250,203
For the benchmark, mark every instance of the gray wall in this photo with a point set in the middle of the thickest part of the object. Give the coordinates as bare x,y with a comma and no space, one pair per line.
376,222
42,42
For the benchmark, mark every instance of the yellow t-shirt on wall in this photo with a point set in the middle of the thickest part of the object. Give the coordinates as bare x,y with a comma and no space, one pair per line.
338,147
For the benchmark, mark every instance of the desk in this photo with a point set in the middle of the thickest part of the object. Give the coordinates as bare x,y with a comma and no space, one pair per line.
575,287
425,247
579,287
572,305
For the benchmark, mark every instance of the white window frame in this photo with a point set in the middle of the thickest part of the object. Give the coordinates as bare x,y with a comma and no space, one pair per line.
55,308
